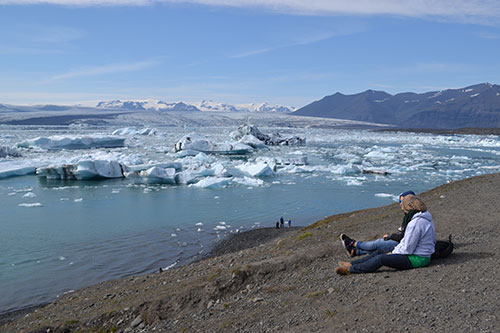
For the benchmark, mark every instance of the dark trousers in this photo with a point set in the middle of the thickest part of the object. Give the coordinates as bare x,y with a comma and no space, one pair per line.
373,262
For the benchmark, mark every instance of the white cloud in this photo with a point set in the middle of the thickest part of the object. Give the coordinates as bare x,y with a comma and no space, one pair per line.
458,9
106,69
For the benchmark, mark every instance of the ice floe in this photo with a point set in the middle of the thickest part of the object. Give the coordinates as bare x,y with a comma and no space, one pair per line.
274,139
85,169
34,204
74,142
6,151
194,141
155,175
12,168
131,131
257,169
212,182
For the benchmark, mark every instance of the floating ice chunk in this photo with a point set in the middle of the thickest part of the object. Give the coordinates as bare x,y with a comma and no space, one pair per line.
247,181
387,195
252,141
74,142
86,169
212,182
130,131
186,152
78,200
9,168
186,177
166,165
291,161
35,204
259,169
99,169
8,151
154,175
347,169
29,195
220,227
194,141
199,224
274,139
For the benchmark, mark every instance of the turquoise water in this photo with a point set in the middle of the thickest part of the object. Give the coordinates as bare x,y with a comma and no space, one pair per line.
83,232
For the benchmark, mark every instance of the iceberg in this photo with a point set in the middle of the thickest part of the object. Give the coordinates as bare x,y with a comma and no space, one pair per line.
73,142
8,151
194,141
258,169
274,139
85,169
212,182
154,175
9,168
131,131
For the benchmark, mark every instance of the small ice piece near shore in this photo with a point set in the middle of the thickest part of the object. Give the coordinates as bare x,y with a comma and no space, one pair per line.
194,141
274,139
29,195
35,204
8,151
74,142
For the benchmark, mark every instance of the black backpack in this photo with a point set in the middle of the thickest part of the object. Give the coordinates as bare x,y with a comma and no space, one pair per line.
443,248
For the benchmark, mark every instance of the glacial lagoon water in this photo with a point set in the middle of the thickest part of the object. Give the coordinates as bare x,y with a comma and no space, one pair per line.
58,236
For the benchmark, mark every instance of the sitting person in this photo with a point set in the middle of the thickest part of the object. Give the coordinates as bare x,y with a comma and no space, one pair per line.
414,250
381,245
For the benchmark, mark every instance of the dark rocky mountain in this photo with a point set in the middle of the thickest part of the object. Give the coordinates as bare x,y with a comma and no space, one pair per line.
473,106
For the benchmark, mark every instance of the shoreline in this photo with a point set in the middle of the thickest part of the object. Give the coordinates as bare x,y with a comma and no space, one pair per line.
253,289
230,244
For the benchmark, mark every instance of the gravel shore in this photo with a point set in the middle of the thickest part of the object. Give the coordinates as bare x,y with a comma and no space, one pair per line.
286,282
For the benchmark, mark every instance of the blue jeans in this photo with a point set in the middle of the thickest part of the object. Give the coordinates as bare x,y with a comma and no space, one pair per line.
373,262
378,246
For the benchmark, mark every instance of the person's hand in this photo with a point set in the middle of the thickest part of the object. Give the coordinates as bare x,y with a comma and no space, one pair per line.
386,236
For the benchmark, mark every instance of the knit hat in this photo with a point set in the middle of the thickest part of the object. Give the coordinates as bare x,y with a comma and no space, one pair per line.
404,194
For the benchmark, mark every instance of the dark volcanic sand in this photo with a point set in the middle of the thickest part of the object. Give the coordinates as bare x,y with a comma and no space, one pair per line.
288,283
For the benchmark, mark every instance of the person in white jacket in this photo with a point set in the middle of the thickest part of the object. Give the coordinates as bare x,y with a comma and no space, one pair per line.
414,250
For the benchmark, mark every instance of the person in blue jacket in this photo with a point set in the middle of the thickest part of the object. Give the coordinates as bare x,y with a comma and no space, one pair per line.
414,250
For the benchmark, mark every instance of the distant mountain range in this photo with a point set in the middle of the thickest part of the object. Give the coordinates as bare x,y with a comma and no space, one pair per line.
204,106
473,106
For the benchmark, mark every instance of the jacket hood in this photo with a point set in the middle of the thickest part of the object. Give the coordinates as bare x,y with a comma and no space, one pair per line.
425,215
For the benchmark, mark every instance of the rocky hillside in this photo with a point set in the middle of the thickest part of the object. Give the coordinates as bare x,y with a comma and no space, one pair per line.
474,106
287,284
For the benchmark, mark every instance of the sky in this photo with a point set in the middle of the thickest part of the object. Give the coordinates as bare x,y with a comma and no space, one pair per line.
289,52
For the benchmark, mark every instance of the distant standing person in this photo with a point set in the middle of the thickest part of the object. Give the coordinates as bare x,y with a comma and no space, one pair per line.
282,222
289,223
277,224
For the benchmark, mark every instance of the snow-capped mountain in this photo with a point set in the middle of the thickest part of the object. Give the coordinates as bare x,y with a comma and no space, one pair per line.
205,106
146,104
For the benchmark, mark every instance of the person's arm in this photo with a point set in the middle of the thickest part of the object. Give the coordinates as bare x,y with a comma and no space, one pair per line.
410,241
397,236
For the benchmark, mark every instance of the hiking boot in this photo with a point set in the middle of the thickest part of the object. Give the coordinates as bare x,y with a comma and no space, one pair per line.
342,270
348,244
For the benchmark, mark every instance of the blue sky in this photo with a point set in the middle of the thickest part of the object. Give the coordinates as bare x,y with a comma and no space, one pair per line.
286,52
